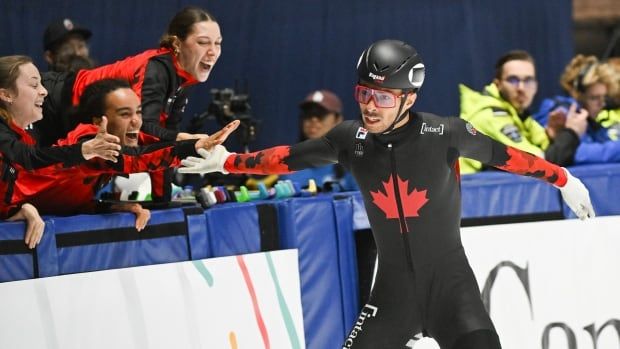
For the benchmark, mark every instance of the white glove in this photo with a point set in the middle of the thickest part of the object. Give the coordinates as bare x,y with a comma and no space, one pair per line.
577,197
211,161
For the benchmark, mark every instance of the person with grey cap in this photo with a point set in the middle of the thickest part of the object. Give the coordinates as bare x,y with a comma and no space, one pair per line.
321,111
406,165
66,47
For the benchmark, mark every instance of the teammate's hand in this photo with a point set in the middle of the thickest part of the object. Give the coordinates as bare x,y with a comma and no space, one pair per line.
211,161
34,224
218,137
183,136
577,197
142,214
104,145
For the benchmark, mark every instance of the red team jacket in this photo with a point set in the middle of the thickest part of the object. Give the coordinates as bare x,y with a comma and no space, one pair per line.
61,190
158,80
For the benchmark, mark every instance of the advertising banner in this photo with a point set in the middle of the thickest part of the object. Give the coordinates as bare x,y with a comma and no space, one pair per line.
548,285
247,301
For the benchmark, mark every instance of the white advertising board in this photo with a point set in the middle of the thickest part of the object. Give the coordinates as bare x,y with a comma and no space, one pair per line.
249,301
550,285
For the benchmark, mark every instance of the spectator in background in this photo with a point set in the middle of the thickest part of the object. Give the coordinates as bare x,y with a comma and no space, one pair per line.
160,77
502,112
320,111
610,116
66,46
588,84
21,98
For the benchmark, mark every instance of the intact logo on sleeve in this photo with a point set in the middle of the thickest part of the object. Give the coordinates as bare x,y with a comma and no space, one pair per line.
512,132
431,129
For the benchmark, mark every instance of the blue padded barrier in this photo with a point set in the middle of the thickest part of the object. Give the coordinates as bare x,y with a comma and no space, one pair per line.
47,254
197,233
603,182
347,258
309,224
16,261
233,229
360,218
97,242
497,193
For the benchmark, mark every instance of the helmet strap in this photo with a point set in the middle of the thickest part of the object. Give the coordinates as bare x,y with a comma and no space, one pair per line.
398,118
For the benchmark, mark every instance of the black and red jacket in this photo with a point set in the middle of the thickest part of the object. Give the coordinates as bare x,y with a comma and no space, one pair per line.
19,154
64,190
155,76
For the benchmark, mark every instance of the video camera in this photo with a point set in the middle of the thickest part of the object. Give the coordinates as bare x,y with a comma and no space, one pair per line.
227,106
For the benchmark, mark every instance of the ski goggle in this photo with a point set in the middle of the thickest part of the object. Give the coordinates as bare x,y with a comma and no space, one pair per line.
382,99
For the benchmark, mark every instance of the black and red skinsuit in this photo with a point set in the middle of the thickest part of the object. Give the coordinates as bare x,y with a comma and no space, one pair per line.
154,75
65,190
410,182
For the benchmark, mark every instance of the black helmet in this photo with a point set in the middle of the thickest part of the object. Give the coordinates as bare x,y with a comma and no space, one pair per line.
391,64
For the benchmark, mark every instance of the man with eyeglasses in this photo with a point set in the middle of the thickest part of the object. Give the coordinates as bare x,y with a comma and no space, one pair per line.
406,165
502,112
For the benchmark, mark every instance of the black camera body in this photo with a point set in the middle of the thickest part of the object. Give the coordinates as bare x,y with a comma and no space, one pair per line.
227,106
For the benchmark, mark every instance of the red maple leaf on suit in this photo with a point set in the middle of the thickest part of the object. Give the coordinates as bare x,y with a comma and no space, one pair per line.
411,201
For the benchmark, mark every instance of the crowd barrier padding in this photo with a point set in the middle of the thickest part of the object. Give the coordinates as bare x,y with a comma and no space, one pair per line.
501,194
17,261
603,182
242,228
311,226
111,241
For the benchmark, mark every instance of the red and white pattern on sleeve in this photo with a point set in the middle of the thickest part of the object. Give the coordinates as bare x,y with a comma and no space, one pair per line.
268,161
524,163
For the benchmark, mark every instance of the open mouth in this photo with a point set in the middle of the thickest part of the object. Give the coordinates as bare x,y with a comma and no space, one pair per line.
132,136
206,66
38,104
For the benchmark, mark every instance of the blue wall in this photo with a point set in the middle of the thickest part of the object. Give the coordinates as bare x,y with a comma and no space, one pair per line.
285,48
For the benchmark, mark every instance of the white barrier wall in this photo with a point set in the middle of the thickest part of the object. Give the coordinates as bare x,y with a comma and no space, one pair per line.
250,301
550,285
